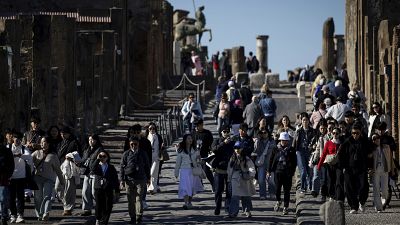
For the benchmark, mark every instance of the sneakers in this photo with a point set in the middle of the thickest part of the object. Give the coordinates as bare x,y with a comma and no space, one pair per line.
20,219
353,211
277,206
13,219
285,211
248,214
217,212
362,208
189,205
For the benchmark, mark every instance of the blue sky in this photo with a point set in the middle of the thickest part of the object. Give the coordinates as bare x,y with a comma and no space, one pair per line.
294,27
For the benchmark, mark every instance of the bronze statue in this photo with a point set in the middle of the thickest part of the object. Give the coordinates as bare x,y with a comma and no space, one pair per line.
183,29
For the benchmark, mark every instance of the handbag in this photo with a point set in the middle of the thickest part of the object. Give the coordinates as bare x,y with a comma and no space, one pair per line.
198,171
260,160
315,157
332,159
164,156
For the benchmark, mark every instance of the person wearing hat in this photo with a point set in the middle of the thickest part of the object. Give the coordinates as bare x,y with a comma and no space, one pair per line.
241,172
203,139
223,150
32,137
283,165
338,110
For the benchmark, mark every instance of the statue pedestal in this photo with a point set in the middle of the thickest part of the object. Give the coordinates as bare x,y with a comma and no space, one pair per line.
177,58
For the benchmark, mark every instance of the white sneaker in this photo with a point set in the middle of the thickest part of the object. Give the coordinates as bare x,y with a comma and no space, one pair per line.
277,206
353,211
13,219
20,219
145,206
362,208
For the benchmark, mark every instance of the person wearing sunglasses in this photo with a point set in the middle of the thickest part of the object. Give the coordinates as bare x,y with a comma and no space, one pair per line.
134,174
376,116
353,157
328,170
156,144
383,164
105,186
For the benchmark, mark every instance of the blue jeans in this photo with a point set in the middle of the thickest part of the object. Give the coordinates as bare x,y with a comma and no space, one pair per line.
247,206
262,182
222,123
87,193
43,196
316,180
304,169
4,201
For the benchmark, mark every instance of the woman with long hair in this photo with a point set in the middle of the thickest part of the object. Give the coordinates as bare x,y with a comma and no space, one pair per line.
47,167
157,145
376,116
186,160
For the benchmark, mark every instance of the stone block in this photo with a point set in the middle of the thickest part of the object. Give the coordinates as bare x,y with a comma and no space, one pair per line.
332,213
256,80
241,76
272,79
301,89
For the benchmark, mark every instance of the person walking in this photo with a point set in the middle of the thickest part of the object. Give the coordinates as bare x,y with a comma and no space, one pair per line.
157,144
71,173
23,164
283,164
241,172
105,186
6,171
223,113
89,156
191,111
47,166
268,107
383,165
186,160
223,150
251,114
134,174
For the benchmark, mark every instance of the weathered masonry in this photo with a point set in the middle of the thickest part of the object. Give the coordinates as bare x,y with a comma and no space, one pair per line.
76,62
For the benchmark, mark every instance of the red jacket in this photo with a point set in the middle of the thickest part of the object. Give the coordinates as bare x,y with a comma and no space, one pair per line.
329,149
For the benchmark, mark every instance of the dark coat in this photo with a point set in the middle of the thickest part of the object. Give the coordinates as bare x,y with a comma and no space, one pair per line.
207,139
223,153
353,155
89,156
135,166
67,146
110,178
283,160
252,113
6,165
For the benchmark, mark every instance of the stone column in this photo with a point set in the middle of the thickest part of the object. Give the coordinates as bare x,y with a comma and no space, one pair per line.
340,50
238,60
328,48
262,53
177,58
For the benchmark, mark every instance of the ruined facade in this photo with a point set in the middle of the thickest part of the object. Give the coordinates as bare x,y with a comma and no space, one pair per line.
372,49
76,62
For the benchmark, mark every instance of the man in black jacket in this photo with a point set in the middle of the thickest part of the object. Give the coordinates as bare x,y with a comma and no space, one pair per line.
6,171
353,157
223,150
204,139
135,173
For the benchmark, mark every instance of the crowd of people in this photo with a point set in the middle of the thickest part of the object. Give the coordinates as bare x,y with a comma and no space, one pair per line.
48,166
338,150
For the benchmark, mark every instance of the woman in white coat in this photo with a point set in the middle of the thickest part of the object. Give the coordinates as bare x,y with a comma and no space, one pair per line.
376,116
241,172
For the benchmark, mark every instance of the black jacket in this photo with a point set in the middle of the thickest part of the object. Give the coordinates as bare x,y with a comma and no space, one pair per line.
67,146
223,153
207,139
283,160
6,165
353,155
110,178
89,156
144,144
135,166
